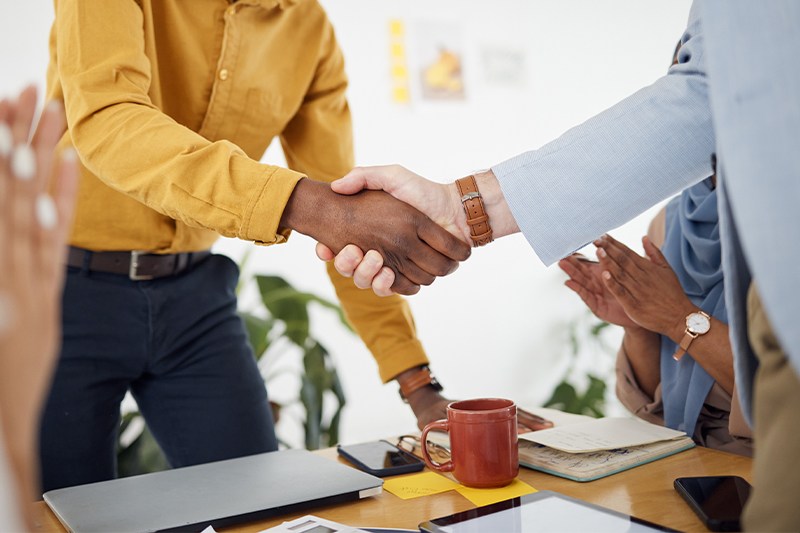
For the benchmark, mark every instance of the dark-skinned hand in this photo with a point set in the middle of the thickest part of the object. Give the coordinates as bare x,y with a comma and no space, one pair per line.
417,249
586,281
429,405
647,288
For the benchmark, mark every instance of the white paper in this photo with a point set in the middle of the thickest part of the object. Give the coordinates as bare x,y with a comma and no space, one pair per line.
559,418
312,523
602,434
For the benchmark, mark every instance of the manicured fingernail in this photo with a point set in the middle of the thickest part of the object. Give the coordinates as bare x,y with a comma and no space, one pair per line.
6,140
69,155
53,106
606,274
601,252
46,211
23,162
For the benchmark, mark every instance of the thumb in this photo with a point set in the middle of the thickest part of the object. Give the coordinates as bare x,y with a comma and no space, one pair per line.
360,178
653,253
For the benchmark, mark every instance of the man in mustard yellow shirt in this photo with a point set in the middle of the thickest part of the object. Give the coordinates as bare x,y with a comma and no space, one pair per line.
170,104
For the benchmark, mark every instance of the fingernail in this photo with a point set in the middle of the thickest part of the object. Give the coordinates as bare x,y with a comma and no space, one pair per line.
53,106
69,155
46,212
6,140
601,252
606,274
23,162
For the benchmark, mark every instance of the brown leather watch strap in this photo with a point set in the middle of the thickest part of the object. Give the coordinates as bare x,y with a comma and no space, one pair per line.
478,221
412,381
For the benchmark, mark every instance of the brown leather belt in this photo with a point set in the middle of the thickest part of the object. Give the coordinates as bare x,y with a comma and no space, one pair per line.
138,266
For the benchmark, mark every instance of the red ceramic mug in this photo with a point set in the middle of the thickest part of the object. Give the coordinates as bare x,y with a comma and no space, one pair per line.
483,442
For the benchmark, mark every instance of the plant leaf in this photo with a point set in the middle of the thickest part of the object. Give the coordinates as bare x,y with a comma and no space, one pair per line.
258,330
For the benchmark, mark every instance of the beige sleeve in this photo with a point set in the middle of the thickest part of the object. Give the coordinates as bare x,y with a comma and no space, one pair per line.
632,396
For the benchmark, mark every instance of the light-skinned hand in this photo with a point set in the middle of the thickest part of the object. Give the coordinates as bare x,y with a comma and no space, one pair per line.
417,249
438,201
33,231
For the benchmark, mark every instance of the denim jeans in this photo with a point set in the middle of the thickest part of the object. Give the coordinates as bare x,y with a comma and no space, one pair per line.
179,346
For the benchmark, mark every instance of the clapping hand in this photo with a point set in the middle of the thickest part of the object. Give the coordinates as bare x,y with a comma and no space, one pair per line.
586,280
646,287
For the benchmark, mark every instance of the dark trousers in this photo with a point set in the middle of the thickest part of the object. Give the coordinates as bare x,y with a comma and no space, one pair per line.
178,345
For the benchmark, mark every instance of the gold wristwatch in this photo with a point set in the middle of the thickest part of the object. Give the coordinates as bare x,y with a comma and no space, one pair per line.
697,323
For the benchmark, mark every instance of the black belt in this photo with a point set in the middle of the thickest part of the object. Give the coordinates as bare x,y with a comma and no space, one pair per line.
138,266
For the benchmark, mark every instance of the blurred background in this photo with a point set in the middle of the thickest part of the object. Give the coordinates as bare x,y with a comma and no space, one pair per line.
446,88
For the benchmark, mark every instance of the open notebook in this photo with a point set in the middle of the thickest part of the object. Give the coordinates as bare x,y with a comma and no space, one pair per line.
583,448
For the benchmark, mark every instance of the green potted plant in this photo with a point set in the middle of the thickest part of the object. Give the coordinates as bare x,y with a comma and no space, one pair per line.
585,334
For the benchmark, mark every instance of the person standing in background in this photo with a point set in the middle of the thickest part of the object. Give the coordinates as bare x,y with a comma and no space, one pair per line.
169,106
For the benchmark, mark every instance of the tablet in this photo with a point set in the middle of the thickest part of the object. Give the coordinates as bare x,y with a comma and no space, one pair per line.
540,511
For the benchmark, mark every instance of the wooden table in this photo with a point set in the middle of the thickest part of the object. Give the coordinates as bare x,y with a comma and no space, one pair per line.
645,491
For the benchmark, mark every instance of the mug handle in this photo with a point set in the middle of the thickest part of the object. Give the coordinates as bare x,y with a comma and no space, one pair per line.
433,465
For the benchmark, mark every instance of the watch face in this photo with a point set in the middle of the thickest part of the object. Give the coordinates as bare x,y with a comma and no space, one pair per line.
698,323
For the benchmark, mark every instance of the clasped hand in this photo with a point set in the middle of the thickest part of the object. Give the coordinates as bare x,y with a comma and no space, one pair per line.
388,272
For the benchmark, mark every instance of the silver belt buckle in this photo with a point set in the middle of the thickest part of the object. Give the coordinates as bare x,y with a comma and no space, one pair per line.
133,270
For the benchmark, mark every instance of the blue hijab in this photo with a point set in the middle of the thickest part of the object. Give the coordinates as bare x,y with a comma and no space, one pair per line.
692,248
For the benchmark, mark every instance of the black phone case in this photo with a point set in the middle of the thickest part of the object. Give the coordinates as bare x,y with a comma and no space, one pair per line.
416,466
711,523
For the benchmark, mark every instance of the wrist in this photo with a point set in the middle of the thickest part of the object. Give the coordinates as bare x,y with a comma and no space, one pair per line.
422,398
637,331
301,213
500,215
459,215
417,380
677,330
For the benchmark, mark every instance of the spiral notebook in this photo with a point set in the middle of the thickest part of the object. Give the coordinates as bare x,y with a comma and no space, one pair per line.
583,448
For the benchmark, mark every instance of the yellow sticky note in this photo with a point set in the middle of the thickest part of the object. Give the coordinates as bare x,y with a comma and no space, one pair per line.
396,27
416,485
482,497
401,95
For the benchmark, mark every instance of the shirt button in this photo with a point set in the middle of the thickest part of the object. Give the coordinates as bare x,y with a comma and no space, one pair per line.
223,74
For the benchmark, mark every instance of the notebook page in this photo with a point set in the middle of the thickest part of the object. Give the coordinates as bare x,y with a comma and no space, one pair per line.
601,434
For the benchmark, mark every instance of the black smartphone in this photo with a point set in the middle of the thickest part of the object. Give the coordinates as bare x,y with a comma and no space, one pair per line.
717,500
381,458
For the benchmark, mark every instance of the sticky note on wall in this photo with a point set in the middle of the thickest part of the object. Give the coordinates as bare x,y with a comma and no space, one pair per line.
398,62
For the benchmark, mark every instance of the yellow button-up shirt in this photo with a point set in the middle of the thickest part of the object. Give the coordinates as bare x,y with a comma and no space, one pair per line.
171,103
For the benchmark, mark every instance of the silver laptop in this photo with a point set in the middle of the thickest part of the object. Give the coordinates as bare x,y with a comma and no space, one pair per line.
217,494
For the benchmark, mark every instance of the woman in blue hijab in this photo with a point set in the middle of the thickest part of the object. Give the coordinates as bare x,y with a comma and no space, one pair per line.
675,366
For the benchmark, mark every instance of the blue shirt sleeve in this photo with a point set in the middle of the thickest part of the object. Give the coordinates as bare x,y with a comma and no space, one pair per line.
617,164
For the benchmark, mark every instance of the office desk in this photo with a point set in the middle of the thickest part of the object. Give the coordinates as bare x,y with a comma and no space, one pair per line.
645,491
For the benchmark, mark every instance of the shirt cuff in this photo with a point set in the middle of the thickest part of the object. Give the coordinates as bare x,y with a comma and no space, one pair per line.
263,214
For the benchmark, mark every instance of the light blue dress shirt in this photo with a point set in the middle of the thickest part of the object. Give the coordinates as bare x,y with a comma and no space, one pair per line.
736,92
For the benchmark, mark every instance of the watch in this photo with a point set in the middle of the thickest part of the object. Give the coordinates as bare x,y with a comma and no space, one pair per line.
697,323
421,377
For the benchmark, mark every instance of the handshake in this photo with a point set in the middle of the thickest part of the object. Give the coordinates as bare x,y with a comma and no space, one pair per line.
391,229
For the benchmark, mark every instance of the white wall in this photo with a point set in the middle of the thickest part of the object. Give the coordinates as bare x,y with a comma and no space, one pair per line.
580,57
